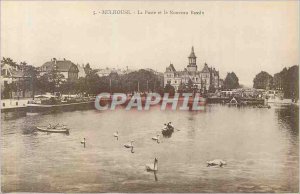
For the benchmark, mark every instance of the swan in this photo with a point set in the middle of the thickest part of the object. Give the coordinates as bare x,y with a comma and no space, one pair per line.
116,134
216,162
129,145
152,167
83,142
156,138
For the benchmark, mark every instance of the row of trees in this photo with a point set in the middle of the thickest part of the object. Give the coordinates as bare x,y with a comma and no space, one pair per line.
286,80
141,80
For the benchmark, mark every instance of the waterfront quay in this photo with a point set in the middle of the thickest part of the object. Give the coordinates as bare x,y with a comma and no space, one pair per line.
11,105
8,105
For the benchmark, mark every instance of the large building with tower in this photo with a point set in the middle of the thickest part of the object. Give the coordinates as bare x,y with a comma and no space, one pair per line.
204,80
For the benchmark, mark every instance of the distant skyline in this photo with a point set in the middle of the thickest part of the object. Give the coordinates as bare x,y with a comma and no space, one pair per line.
240,36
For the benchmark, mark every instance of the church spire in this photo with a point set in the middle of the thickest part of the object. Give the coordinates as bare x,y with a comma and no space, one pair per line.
192,55
192,61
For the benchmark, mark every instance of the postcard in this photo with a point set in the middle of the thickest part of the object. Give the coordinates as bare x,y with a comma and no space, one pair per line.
150,96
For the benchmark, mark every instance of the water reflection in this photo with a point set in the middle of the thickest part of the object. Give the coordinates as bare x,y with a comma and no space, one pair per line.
288,117
155,176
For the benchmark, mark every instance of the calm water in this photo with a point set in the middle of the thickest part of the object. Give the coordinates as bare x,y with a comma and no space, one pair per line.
260,146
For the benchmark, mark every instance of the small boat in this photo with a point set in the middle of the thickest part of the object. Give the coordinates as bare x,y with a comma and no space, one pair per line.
216,162
51,130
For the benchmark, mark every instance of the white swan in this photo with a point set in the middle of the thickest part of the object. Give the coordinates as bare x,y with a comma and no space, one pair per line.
216,162
152,167
83,142
156,138
129,145
116,134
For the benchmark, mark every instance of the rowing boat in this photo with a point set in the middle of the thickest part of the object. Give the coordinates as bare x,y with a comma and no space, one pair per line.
45,129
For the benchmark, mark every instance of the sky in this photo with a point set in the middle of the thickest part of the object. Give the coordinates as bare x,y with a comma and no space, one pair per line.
240,36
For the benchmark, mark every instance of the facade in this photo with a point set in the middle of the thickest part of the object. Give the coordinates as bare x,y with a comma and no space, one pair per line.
203,80
65,67
81,71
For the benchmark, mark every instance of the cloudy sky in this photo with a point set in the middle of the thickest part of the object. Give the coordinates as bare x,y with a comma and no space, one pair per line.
244,37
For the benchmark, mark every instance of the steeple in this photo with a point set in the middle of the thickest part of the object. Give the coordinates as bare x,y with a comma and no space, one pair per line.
192,55
192,61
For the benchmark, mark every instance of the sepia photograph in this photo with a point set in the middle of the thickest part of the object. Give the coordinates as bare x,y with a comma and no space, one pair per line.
149,96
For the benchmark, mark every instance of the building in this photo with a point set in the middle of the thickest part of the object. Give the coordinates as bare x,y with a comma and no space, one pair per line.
81,71
65,67
13,76
204,80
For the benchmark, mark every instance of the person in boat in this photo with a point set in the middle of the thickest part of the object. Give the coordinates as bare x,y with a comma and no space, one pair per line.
165,127
170,126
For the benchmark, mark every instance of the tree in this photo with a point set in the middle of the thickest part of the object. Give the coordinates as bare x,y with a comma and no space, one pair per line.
287,81
9,61
292,85
231,81
51,81
190,86
169,89
181,88
211,88
263,80
93,85
87,68
141,80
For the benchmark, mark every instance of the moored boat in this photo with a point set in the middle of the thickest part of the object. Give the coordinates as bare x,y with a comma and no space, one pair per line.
58,104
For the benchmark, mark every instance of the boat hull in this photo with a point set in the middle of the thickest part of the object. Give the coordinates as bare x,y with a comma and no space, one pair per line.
53,130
